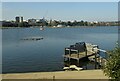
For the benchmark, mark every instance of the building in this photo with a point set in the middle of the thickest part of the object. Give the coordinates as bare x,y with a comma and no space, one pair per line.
19,19
32,21
22,19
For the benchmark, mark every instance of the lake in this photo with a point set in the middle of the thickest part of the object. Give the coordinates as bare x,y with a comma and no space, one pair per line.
46,55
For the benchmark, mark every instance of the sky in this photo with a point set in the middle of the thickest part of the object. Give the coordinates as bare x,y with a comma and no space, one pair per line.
60,0
87,11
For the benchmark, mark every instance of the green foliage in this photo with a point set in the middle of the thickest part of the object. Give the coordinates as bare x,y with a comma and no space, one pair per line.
112,66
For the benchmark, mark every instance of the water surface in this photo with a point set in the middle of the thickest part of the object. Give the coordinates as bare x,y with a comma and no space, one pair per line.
46,54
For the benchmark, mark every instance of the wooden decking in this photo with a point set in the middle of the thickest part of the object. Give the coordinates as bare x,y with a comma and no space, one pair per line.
79,55
100,60
86,51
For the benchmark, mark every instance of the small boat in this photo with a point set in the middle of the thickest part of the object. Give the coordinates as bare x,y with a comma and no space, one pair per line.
42,28
73,67
66,68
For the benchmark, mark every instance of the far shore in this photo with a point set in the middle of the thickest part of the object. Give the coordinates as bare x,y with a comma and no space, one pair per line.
52,27
84,74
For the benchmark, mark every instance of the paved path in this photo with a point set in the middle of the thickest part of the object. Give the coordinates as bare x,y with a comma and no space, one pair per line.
85,74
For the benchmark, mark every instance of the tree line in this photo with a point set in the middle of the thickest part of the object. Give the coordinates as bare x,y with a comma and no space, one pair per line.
55,23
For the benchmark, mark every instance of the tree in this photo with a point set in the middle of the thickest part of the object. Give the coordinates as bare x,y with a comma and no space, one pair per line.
82,23
112,66
69,23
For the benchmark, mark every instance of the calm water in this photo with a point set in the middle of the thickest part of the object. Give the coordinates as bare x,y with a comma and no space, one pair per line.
46,54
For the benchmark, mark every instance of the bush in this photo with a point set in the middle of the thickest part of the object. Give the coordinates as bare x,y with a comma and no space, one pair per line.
112,66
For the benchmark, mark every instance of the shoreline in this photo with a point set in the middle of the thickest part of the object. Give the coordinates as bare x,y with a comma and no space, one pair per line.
55,27
84,74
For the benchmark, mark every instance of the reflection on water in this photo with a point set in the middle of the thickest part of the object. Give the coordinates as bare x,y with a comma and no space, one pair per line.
46,54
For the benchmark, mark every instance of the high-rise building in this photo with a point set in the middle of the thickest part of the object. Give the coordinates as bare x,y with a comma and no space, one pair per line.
22,19
19,19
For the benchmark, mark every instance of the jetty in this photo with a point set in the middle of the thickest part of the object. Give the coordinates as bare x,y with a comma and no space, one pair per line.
82,50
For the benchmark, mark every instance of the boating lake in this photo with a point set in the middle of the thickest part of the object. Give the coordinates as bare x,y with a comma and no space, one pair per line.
46,54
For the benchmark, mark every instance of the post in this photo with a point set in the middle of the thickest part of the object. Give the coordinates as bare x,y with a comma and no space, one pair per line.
78,53
69,60
101,61
95,60
98,57
65,51
78,62
70,52
86,52
78,57
106,55
69,56
53,78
